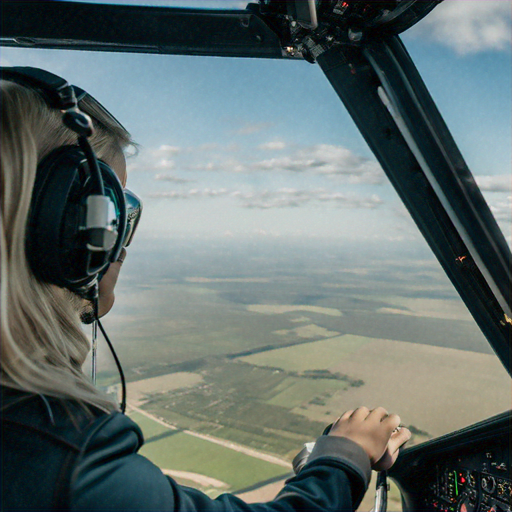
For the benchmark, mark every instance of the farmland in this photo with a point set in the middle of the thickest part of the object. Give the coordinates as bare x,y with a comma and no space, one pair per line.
194,461
264,355
404,382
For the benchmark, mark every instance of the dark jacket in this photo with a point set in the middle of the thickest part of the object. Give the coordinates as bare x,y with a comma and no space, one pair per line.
55,456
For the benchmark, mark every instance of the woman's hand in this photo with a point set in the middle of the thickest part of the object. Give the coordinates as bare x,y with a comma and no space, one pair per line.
398,438
376,431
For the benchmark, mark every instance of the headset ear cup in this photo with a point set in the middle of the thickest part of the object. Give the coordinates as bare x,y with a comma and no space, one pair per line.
56,247
72,235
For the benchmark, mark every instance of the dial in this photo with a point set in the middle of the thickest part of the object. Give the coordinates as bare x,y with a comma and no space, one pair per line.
488,483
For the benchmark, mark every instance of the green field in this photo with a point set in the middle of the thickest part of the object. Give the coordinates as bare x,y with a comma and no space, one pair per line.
184,452
293,391
149,427
246,404
183,323
309,356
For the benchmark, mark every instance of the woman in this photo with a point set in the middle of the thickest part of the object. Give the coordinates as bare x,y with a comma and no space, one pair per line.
65,445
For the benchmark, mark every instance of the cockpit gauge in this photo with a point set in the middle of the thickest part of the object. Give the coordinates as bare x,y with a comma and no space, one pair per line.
488,483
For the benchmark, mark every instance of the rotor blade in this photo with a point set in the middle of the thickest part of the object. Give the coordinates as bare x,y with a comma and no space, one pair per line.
139,29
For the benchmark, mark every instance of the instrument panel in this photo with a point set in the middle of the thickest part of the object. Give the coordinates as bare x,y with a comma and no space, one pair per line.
475,483
466,471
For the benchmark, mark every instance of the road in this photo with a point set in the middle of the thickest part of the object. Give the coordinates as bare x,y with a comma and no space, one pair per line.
222,442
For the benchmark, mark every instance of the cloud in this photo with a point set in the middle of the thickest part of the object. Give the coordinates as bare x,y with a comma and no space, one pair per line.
351,201
327,160
469,26
160,158
281,198
165,164
273,145
221,192
228,165
166,150
502,210
322,159
293,198
330,161
171,194
172,178
149,159
193,193
500,183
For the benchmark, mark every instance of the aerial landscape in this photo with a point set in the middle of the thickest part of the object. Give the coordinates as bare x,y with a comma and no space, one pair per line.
276,279
238,353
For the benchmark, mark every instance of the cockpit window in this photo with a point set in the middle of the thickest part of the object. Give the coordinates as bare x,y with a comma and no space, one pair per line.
276,279
463,40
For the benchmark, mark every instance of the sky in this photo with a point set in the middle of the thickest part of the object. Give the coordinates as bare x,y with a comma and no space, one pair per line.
254,148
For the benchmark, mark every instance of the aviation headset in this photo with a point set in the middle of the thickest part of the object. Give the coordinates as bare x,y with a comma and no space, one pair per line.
77,222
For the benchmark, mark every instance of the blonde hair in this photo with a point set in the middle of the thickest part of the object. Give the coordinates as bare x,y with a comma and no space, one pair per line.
43,346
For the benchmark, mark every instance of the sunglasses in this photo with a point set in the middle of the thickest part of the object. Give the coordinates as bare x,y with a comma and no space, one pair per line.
133,213
132,204
126,210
